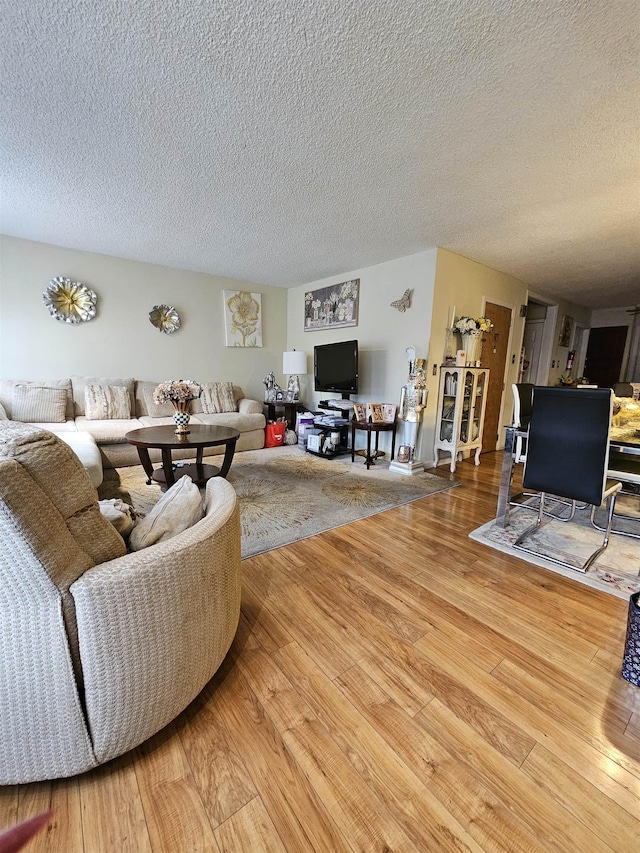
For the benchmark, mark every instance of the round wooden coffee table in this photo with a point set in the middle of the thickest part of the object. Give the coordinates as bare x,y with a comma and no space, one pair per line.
165,439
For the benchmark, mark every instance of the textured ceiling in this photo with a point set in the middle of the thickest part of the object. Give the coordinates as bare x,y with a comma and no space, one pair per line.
282,142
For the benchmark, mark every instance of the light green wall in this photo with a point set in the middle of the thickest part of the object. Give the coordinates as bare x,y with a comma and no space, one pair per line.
383,332
120,340
464,286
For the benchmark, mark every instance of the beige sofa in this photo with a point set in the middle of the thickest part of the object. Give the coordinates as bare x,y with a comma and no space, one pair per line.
101,443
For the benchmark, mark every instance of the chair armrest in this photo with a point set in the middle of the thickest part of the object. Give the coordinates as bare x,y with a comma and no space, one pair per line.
250,407
155,625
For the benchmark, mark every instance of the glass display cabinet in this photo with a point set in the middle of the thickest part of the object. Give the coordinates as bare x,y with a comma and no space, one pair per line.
462,398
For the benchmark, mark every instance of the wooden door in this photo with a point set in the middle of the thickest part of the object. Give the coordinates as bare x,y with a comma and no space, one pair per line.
605,350
494,356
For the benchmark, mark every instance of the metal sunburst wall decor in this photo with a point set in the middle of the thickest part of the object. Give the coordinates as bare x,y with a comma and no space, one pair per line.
70,301
165,318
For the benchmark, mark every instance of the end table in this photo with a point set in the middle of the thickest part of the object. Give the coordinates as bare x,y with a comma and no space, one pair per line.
377,428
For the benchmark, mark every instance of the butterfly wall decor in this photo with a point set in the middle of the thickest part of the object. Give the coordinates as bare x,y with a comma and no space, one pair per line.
404,302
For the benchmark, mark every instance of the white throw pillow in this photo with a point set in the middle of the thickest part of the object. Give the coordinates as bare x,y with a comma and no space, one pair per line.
39,404
120,514
178,509
106,402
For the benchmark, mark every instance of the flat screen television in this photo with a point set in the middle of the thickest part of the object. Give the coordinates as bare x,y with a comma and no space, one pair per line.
335,367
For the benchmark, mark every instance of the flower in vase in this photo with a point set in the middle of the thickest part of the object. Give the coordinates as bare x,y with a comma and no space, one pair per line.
176,391
468,325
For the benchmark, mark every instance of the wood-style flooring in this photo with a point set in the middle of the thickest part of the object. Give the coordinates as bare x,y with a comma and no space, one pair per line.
393,686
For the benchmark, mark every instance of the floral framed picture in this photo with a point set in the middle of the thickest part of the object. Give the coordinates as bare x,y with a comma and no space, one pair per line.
332,307
566,327
242,318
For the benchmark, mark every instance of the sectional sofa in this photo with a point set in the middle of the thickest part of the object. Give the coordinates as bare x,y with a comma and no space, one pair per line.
61,406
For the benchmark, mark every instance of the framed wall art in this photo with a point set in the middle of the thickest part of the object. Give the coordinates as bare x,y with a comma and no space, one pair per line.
566,327
242,318
332,307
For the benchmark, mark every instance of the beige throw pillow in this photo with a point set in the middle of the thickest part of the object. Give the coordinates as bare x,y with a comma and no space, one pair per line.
39,404
3,413
156,410
218,397
178,509
106,402
120,514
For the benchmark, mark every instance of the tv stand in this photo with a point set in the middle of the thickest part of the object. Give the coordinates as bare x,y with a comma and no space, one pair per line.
345,413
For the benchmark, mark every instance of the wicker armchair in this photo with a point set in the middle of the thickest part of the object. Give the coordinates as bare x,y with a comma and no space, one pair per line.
99,649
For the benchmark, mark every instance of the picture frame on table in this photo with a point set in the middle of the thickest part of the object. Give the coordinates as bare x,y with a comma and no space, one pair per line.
375,411
360,411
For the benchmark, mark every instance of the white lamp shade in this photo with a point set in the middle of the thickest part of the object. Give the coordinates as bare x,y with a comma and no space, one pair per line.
294,362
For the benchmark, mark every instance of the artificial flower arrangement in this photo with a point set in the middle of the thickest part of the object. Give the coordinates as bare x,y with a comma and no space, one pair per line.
465,325
572,381
176,391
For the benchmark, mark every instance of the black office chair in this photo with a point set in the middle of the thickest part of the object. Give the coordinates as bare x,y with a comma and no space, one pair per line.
567,456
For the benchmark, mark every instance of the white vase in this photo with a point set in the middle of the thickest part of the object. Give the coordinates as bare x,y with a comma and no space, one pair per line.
472,345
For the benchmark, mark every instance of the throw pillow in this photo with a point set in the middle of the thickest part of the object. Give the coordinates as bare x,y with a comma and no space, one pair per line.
121,515
3,414
218,397
178,509
155,410
39,404
106,402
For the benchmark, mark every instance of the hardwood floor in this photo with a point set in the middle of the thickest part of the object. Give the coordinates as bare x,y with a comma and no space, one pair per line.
393,686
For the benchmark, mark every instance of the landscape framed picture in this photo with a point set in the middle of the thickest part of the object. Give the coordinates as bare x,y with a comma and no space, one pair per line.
332,307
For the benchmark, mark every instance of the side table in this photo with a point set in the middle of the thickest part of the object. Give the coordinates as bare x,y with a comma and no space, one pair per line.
290,410
377,428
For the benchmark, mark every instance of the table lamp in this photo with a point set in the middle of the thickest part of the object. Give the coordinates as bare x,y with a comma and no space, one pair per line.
293,364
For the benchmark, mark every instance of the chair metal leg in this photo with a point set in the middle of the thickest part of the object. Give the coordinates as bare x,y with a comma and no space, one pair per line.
594,556
612,528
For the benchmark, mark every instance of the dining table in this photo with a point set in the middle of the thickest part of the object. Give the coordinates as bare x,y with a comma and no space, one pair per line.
624,461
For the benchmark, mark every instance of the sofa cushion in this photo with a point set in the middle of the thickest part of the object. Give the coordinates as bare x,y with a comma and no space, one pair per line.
39,404
243,423
107,402
7,386
146,420
218,397
79,383
110,431
153,409
178,509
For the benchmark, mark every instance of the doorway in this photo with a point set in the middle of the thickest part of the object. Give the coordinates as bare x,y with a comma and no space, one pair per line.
531,350
605,351
494,356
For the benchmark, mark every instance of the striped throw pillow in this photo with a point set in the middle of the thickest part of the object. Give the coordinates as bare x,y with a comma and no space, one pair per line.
38,404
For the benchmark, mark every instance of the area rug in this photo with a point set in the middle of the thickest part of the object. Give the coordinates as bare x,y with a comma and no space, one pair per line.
286,494
616,571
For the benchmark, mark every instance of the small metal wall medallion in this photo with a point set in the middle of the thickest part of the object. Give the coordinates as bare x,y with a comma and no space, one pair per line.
165,318
70,301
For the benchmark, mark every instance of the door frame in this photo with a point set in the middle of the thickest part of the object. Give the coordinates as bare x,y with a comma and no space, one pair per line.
505,400
548,335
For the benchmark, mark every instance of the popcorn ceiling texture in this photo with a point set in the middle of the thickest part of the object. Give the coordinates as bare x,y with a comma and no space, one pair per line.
282,142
